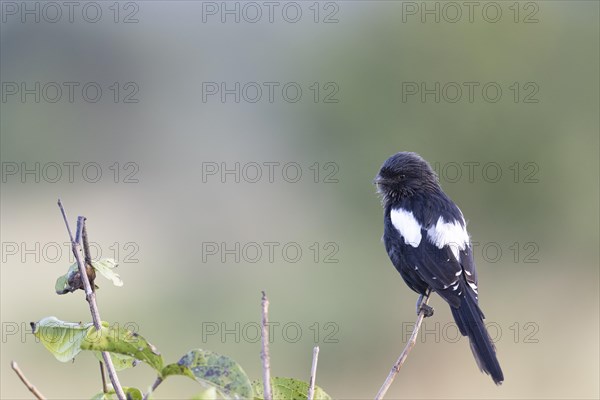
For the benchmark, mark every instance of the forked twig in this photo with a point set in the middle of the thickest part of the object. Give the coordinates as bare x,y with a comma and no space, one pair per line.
91,297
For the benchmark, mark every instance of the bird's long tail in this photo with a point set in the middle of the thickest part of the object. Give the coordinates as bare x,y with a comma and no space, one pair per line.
469,318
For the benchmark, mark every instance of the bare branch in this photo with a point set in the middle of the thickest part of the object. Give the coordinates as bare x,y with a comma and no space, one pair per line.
411,342
104,386
31,388
86,245
313,373
91,298
264,355
62,210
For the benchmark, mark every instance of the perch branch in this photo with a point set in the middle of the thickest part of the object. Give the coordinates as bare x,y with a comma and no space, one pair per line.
91,298
31,388
313,373
411,343
264,355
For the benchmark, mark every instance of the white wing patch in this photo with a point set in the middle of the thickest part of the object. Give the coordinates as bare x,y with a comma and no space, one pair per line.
451,234
473,286
406,223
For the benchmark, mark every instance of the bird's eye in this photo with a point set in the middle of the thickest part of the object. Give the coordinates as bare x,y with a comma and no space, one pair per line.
402,176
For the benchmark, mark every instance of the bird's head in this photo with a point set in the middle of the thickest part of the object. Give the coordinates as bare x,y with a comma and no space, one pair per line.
403,175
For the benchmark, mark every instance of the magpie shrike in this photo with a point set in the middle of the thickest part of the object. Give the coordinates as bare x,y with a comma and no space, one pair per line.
426,239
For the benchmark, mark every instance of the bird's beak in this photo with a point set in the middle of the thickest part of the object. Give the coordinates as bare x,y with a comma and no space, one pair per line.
379,180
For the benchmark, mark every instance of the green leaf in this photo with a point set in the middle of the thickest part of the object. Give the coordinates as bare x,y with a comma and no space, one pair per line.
213,370
69,282
62,339
105,266
131,393
288,389
122,341
120,361
66,339
62,285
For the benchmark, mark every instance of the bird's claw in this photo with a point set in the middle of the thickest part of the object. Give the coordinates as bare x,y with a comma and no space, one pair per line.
427,310
422,307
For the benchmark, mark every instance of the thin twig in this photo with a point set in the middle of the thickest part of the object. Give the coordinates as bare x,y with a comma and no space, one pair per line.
91,298
264,355
31,388
411,342
87,254
313,373
64,214
157,382
86,245
104,386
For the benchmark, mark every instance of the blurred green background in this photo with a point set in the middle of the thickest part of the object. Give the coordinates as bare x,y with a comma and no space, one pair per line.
542,300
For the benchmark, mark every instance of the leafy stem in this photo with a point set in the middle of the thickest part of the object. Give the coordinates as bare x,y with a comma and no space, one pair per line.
91,297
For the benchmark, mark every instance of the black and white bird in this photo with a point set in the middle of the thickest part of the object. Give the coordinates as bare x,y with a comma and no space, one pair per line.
426,239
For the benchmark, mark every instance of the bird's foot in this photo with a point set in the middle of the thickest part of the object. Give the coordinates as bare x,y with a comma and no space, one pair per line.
422,307
427,310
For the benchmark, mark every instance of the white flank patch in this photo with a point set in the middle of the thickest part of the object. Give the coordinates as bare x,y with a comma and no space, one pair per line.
406,223
473,286
449,234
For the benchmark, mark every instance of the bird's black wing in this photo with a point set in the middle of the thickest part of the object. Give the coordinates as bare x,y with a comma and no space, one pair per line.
440,254
438,268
